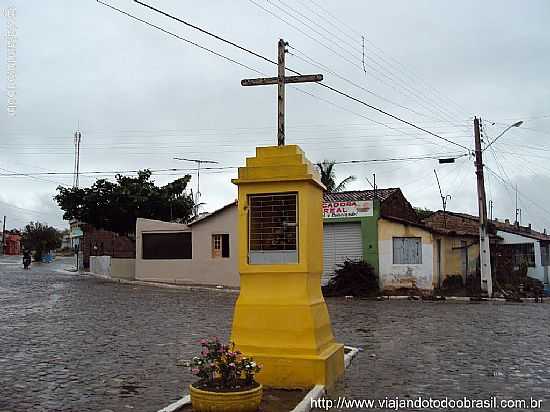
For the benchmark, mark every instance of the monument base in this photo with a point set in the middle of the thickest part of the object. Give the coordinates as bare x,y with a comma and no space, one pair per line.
295,371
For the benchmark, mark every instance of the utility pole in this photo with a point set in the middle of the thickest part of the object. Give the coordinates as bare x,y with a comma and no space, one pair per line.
443,200
77,137
490,210
518,211
484,246
3,237
280,81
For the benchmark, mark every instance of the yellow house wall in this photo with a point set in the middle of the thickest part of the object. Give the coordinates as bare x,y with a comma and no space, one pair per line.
394,276
451,258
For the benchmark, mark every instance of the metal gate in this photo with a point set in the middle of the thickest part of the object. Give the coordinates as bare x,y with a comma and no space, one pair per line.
341,241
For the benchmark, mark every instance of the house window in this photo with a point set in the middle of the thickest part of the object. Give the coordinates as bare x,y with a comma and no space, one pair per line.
523,252
167,245
407,250
545,255
273,228
220,245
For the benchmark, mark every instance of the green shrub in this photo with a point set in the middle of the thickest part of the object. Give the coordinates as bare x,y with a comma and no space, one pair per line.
353,278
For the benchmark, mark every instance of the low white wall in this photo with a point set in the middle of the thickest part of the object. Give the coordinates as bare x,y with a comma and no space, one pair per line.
123,268
100,265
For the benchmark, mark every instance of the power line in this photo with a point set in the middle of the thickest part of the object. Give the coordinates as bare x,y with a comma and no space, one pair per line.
13,173
397,64
116,171
402,158
22,208
522,194
204,31
294,71
225,57
180,37
356,65
310,60
112,172
360,56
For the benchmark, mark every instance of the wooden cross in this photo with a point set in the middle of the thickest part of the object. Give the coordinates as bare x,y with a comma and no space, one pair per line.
280,81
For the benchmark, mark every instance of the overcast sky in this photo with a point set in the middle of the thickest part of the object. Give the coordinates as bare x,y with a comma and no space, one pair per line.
141,97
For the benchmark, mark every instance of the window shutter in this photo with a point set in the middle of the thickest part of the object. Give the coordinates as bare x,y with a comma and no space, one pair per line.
225,245
407,250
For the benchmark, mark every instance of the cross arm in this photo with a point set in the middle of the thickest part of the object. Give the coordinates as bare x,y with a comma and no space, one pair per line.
307,78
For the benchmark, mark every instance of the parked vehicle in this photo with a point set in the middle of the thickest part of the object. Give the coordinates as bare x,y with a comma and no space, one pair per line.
26,259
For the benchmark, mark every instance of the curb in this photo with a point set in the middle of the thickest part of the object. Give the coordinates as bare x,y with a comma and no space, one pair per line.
231,290
177,405
464,299
160,284
317,392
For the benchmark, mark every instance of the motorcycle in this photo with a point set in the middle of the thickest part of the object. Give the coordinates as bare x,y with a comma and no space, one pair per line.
26,262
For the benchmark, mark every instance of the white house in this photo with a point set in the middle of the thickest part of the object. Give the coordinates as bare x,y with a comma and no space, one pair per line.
528,245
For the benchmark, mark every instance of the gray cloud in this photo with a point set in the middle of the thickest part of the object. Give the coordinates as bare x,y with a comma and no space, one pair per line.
142,97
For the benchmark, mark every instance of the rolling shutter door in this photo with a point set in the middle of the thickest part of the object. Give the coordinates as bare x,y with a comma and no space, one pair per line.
341,241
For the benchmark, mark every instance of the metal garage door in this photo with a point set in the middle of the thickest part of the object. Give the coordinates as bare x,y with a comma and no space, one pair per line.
341,241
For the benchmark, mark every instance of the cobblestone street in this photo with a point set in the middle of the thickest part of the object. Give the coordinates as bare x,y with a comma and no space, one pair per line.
75,343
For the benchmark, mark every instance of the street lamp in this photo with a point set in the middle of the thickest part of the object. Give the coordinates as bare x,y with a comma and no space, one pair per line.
517,124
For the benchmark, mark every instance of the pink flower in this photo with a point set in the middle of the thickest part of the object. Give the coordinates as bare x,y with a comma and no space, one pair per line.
232,364
194,371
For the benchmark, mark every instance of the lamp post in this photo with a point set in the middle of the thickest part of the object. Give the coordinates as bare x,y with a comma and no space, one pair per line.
517,124
484,243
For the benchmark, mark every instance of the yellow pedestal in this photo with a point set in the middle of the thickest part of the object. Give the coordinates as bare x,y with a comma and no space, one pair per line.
281,318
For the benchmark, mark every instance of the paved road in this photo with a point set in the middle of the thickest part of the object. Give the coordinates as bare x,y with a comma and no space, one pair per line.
76,343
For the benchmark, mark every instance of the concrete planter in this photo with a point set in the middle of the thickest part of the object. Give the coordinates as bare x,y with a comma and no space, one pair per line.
245,401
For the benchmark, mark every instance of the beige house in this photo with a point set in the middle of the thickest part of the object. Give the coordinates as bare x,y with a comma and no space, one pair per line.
202,252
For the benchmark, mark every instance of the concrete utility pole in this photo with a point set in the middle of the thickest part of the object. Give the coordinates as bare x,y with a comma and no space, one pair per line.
3,236
484,247
280,81
518,210
76,173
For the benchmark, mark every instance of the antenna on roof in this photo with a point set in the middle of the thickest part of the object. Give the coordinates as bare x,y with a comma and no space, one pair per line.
374,187
443,200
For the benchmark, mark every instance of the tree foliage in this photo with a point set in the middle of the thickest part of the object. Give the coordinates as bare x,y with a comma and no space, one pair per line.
116,206
40,238
328,177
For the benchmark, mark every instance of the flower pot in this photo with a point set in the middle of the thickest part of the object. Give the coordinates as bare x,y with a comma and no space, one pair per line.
245,401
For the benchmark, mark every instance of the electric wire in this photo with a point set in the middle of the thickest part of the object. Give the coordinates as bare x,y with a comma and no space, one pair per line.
397,65
356,65
347,95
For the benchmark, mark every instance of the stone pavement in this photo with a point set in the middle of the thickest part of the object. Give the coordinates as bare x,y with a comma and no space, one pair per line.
76,343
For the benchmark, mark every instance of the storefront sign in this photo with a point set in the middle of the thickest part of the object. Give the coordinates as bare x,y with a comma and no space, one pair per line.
336,210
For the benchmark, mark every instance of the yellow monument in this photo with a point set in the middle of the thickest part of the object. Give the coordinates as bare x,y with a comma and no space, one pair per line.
281,318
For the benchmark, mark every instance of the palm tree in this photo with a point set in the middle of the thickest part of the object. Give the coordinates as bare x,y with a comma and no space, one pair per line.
328,177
